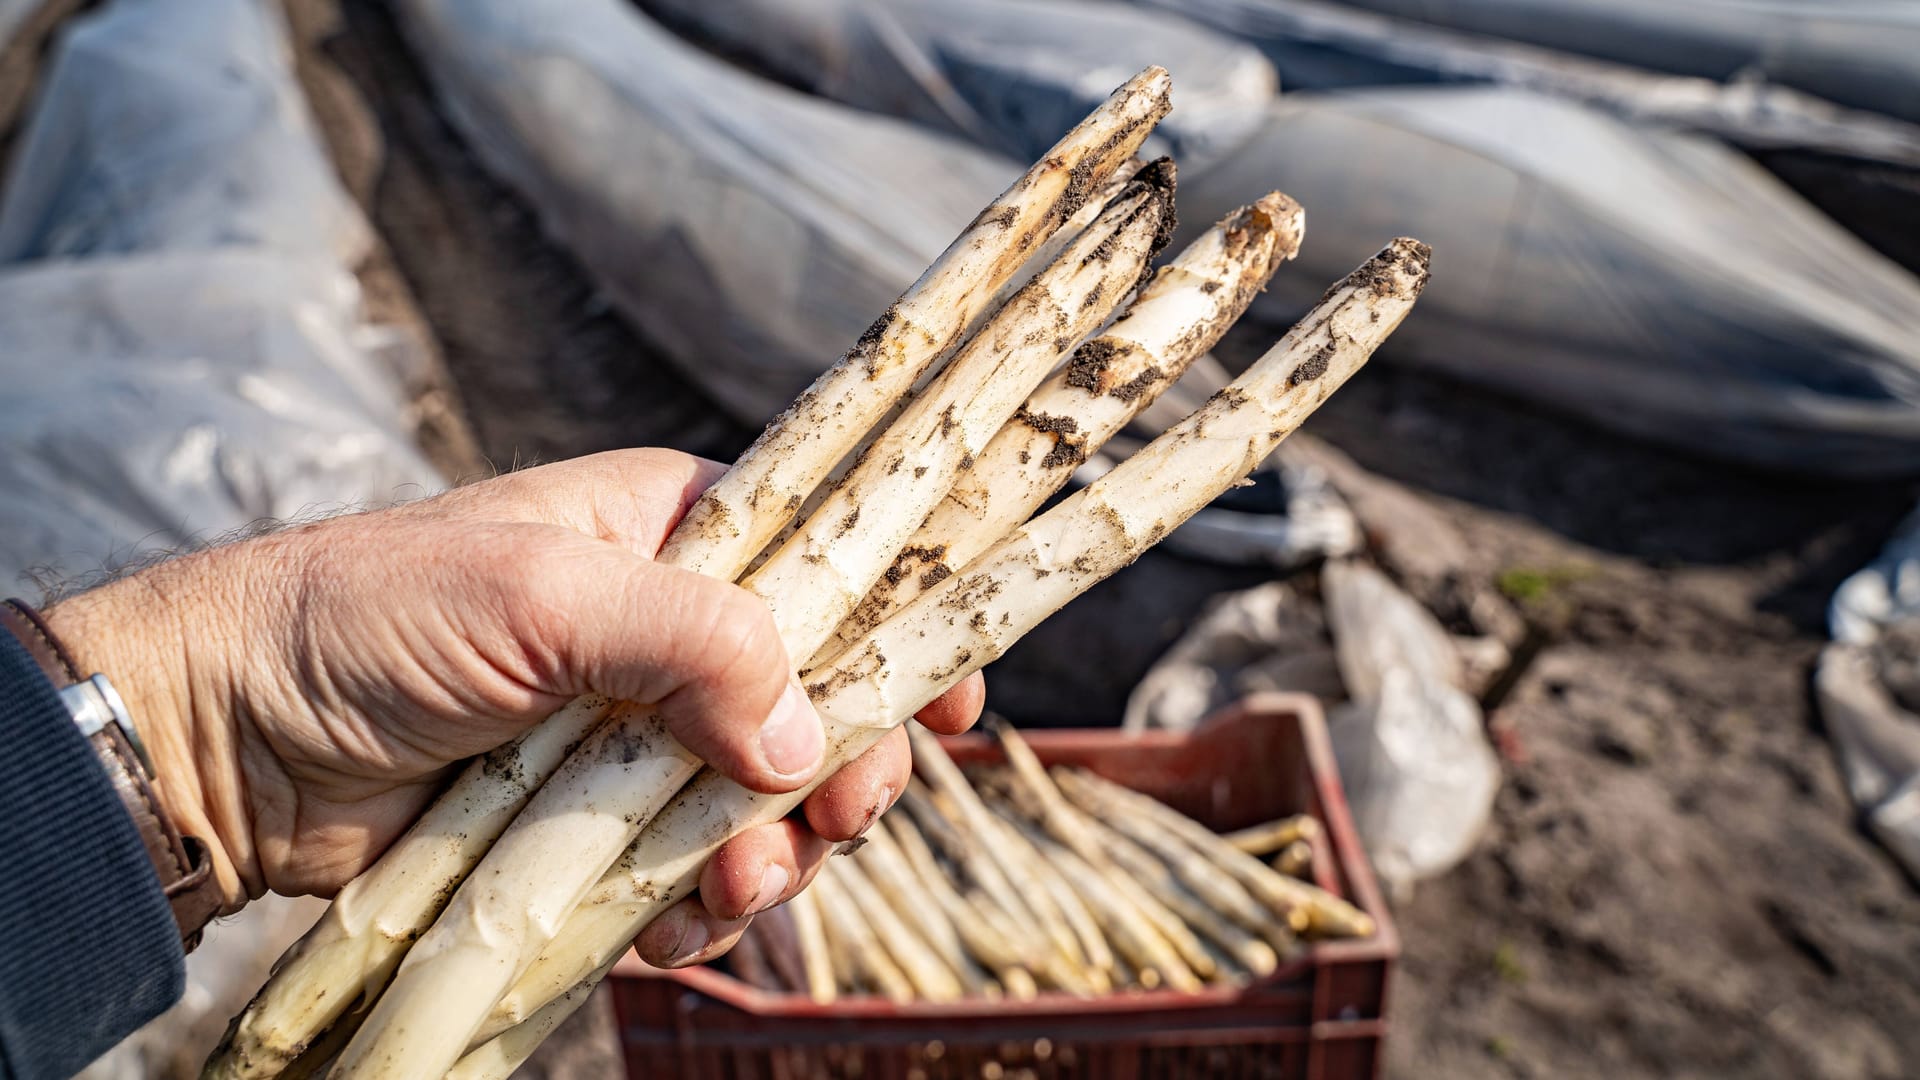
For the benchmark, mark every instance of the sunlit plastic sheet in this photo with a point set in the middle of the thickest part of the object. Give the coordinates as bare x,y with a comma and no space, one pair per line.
1414,759
185,348
12,14
751,230
157,401
1009,74
1868,690
1655,283
1863,53
1326,45
168,126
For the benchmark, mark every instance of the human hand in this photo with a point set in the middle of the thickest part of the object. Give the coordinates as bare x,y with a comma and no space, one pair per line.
304,693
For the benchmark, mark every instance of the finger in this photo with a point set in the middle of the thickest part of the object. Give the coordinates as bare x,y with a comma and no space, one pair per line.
761,868
587,617
956,710
854,798
632,498
685,935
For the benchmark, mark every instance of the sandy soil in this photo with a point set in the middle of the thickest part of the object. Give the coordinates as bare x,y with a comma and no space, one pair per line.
1673,884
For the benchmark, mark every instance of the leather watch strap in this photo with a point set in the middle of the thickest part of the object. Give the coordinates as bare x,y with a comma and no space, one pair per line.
184,867
31,629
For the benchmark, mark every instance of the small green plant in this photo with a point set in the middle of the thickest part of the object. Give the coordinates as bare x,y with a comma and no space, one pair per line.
1506,963
1532,584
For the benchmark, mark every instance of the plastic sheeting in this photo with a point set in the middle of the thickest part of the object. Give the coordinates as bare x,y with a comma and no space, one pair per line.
1864,53
159,401
12,14
184,353
750,230
1324,45
1413,754
175,127
1655,283
1868,690
1009,74
1885,592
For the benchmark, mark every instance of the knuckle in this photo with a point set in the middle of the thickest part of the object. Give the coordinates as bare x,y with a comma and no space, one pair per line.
737,641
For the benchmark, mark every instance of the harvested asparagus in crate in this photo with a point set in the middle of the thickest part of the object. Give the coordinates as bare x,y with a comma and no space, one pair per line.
916,565
1150,928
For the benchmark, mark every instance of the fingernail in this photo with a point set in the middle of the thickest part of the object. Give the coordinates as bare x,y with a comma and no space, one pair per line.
773,884
873,815
693,938
792,740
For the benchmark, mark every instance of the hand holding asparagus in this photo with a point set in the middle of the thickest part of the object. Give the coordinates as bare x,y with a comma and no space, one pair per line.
913,570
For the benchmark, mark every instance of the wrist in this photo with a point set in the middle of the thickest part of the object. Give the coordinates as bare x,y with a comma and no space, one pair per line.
154,638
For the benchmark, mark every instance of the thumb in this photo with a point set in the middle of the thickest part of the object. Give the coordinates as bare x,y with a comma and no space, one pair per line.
706,654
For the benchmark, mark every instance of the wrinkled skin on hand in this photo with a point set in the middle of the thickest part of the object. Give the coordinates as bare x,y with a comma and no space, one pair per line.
305,693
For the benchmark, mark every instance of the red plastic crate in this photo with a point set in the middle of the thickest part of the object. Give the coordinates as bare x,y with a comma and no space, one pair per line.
1320,1017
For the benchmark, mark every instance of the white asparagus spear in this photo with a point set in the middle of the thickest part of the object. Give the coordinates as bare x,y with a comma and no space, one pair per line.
1170,909
593,806
886,866
1269,837
1171,928
780,938
846,975
1043,257
1041,876
1007,909
906,471
1295,860
844,912
748,962
1133,935
499,1058
1146,918
813,947
931,978
1047,805
1180,315
1002,859
1324,912
1139,869
353,949
972,617
1116,822
928,320
350,954
1205,878
981,939
987,886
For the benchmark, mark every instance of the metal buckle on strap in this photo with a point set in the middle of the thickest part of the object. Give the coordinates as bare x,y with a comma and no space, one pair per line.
95,704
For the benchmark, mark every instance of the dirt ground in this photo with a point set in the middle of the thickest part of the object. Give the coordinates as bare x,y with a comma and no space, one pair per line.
1673,884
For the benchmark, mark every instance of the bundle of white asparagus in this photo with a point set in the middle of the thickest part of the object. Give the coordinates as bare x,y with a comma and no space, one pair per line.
495,915
1119,892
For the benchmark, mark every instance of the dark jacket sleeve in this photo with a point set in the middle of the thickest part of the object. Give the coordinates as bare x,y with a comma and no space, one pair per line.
88,947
